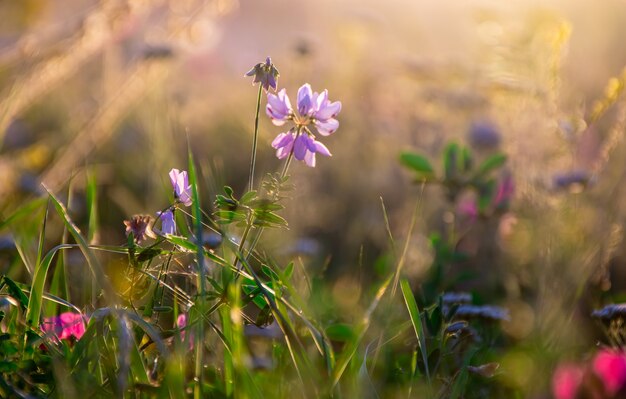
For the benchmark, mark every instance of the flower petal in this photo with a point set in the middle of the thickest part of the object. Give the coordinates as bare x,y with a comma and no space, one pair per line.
309,159
300,147
305,100
322,149
327,127
282,152
282,140
328,110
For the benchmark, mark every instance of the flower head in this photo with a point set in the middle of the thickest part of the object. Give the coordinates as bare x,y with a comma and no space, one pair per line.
264,73
140,226
168,224
180,183
64,326
312,108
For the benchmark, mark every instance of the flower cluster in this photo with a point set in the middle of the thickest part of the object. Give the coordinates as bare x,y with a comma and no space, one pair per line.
603,377
312,109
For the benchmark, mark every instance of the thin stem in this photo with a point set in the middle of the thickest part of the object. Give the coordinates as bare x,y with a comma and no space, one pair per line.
255,138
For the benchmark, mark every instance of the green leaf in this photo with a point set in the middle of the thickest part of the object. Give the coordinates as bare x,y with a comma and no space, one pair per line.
229,191
247,197
493,162
417,163
416,320
148,253
16,292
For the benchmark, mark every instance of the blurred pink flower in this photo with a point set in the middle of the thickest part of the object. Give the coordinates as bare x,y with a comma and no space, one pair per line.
610,366
567,380
504,192
64,326
468,209
181,323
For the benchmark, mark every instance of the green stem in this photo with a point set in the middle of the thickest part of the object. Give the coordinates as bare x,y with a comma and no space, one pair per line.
255,138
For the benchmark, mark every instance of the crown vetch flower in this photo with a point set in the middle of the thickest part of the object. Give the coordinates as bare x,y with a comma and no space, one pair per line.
312,109
64,326
265,73
140,226
180,183
168,224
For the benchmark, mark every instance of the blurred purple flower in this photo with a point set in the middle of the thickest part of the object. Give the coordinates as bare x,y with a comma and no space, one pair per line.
64,326
574,179
168,224
140,226
180,183
264,73
484,134
312,108
567,380
610,366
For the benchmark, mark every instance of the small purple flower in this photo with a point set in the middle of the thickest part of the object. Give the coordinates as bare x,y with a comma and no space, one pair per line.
180,183
168,225
264,73
312,108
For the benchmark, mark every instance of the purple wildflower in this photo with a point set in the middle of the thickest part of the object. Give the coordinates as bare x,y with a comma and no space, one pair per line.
66,326
180,183
312,108
168,225
264,73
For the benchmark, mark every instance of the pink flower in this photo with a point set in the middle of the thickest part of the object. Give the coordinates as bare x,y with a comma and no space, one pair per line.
65,326
610,366
566,381
181,323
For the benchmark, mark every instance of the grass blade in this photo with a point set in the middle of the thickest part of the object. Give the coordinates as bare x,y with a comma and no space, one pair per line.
411,305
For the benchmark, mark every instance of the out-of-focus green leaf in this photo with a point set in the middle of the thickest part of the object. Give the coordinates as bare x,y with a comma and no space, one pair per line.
493,162
417,163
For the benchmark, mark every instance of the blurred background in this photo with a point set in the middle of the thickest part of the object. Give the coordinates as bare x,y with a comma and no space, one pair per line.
119,88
